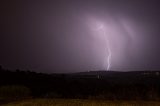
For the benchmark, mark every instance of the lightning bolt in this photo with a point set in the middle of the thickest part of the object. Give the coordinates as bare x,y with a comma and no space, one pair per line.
109,58
102,29
108,51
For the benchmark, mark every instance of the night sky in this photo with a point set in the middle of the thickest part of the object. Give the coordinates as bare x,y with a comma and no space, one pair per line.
80,35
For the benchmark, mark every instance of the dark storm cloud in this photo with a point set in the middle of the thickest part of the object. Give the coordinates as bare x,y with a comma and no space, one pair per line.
57,36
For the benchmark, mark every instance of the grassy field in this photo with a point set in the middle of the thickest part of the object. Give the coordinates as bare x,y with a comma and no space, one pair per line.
78,102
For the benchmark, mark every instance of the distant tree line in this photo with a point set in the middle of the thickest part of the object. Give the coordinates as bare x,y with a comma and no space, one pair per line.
112,86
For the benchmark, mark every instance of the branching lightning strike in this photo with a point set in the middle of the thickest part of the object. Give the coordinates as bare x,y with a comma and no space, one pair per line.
107,47
109,53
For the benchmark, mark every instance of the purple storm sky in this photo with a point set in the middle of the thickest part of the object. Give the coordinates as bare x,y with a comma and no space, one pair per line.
74,35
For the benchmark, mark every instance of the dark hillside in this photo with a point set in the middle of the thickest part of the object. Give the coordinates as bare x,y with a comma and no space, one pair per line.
143,85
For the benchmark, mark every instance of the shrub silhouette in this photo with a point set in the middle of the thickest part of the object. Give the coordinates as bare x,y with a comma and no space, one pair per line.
14,92
0,67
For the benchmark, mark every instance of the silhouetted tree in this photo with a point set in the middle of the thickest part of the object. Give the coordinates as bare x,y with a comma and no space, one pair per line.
14,92
0,67
17,70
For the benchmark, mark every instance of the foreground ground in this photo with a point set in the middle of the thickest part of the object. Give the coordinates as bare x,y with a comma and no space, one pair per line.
78,102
